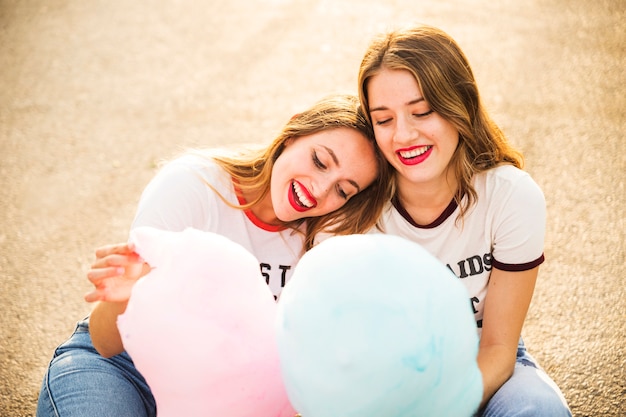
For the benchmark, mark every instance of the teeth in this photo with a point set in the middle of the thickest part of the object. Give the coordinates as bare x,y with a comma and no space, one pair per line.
414,152
302,196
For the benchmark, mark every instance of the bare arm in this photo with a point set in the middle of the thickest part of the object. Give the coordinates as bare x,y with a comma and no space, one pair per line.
103,328
508,298
115,271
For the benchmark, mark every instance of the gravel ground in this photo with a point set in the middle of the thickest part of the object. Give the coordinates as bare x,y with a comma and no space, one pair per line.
93,93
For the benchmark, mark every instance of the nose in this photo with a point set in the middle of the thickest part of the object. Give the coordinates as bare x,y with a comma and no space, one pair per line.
322,186
406,131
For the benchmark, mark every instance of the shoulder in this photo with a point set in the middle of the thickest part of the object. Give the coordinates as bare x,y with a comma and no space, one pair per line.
193,162
512,206
514,209
188,180
186,192
191,168
507,181
503,175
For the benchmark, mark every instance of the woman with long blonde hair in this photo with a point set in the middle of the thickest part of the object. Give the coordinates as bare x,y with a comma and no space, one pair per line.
322,172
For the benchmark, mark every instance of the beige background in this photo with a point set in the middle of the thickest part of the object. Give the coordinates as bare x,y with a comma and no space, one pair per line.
93,92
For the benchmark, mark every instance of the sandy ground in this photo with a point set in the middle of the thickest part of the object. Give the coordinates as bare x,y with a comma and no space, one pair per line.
93,92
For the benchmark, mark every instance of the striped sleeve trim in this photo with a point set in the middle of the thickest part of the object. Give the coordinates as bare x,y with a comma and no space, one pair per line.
518,267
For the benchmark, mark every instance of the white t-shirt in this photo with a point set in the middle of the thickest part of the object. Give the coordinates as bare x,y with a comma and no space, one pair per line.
178,197
505,228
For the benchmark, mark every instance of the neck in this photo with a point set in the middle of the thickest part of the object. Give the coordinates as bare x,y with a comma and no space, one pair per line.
425,202
263,210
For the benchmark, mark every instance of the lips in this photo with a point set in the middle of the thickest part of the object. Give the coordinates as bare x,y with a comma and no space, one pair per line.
414,155
299,197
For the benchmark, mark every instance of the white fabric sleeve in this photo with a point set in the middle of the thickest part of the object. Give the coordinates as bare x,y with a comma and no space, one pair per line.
176,198
520,226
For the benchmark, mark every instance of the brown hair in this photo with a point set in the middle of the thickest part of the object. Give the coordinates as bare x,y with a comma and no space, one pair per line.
252,168
447,83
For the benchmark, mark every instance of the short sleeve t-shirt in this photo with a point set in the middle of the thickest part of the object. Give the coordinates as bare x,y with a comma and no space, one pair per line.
178,197
505,229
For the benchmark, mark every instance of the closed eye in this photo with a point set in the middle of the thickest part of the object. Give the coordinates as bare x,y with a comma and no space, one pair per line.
342,193
317,161
382,122
424,114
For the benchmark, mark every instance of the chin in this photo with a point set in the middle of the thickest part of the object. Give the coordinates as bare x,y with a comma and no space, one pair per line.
288,216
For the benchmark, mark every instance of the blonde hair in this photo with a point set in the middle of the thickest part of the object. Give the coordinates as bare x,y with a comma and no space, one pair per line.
251,168
447,83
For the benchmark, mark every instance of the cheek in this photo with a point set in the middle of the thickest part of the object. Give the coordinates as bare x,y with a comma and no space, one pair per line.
275,181
384,138
387,150
447,133
336,204
331,203
450,142
379,134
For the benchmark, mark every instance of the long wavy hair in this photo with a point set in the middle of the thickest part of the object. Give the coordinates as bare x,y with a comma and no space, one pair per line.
447,83
252,168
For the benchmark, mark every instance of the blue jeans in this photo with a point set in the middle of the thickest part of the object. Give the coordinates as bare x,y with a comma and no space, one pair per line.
529,392
81,383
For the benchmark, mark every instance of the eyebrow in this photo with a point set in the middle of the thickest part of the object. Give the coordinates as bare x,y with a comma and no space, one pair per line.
336,160
379,108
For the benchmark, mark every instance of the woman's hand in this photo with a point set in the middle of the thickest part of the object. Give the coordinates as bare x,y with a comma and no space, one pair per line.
116,269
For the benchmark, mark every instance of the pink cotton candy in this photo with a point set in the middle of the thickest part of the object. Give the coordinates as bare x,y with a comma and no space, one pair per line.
200,328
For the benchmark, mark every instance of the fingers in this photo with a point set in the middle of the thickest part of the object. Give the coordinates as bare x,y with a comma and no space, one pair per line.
100,292
121,260
114,271
93,296
98,274
117,248
109,288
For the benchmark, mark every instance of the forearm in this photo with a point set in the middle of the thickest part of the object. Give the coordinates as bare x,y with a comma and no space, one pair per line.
105,335
496,365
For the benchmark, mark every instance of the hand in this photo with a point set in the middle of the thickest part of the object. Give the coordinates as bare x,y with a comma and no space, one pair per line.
114,272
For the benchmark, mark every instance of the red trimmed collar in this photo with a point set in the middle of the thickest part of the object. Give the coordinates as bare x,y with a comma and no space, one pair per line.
250,215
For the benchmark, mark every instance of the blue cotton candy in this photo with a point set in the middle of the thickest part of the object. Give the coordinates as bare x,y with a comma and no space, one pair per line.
373,325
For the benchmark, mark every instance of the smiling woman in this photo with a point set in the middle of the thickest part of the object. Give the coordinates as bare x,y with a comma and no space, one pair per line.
462,194
322,172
